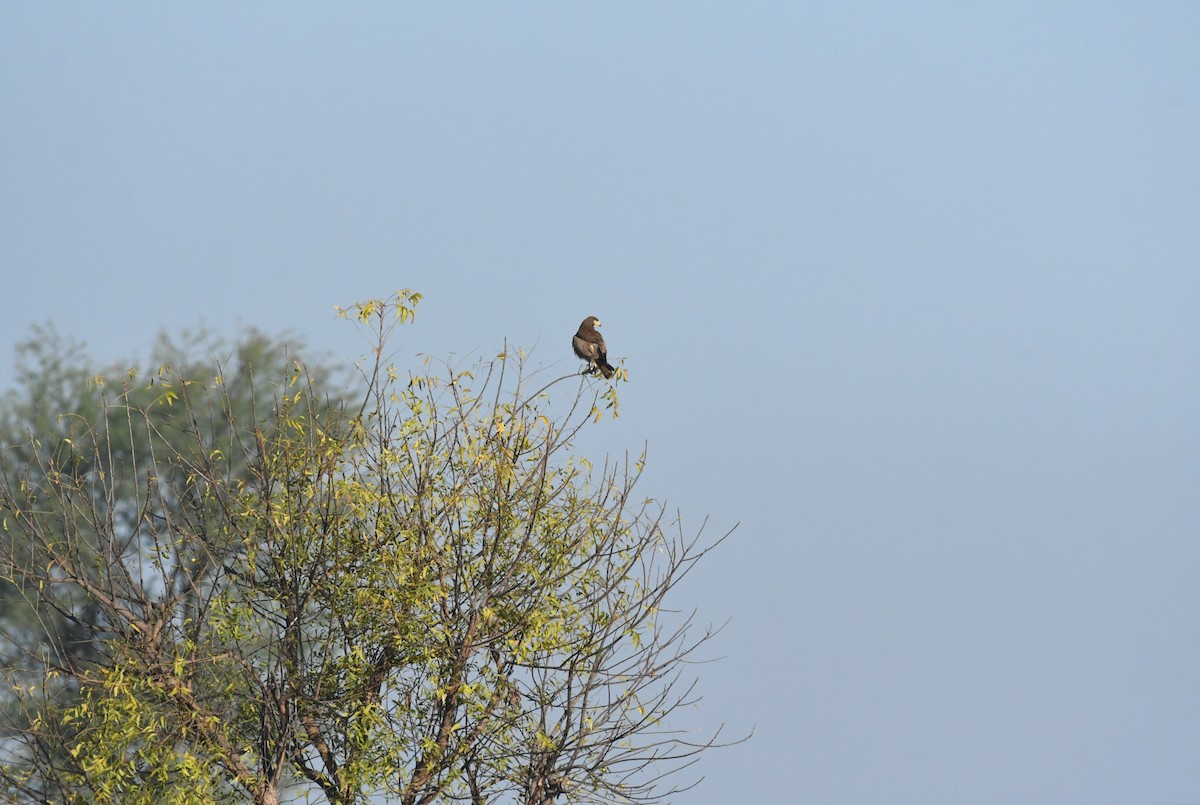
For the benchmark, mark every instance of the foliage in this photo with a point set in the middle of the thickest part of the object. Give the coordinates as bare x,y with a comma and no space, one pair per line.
426,596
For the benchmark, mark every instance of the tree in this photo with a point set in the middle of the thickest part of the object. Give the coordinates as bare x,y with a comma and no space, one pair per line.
52,426
427,596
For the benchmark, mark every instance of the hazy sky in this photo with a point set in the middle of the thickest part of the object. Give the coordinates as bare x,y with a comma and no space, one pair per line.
909,290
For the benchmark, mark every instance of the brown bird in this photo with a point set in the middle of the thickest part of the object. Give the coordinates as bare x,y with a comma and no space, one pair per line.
589,346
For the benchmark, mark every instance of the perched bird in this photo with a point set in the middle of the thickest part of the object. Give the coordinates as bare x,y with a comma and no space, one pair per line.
589,346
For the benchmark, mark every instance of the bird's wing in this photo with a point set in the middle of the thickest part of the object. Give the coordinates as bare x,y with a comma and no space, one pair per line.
590,336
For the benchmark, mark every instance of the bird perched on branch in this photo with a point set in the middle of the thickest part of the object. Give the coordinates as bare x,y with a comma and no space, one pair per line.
589,346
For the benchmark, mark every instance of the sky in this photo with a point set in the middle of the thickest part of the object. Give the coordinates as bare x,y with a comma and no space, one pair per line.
907,292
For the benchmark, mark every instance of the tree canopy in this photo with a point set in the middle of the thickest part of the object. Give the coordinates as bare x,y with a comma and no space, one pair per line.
420,591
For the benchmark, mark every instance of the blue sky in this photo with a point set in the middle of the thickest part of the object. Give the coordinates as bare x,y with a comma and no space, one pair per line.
908,290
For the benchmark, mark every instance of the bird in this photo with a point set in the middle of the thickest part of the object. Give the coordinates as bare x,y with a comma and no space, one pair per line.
589,346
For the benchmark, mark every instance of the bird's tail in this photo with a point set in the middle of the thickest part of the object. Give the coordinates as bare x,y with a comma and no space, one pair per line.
606,369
